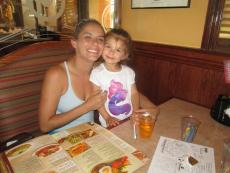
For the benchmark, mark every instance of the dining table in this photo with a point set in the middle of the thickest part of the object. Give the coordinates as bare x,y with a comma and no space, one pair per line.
210,132
168,124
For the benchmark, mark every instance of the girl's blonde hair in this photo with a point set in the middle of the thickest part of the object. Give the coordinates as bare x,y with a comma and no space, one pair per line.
124,36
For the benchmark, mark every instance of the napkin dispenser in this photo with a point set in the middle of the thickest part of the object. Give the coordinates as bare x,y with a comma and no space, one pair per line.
220,111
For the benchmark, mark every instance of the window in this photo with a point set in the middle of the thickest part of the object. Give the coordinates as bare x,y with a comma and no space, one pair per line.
106,12
28,21
225,22
217,28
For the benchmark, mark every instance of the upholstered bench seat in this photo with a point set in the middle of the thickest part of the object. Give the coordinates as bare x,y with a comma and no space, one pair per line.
21,76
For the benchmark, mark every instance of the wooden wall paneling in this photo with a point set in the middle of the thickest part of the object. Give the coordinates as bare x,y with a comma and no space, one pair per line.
215,85
143,67
191,74
165,80
154,77
191,83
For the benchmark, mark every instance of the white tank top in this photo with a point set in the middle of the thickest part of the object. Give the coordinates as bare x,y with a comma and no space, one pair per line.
69,101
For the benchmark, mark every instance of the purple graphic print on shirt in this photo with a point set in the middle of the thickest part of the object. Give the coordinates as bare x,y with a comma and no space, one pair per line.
116,95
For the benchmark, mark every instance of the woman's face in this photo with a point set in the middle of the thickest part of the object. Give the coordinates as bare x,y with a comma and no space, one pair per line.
90,42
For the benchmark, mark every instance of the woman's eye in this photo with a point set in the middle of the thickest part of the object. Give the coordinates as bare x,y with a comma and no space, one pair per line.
87,37
101,40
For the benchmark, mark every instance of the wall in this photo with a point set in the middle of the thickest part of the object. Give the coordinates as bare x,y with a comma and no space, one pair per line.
173,26
93,9
165,71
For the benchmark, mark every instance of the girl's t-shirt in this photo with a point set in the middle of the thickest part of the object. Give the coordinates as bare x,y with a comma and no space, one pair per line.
118,86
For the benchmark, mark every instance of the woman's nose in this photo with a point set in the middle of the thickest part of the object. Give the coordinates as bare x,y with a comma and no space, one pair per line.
97,42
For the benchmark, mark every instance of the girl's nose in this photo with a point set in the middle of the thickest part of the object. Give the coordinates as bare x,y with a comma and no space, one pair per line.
111,51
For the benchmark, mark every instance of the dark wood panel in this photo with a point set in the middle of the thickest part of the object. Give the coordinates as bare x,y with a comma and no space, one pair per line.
165,71
165,75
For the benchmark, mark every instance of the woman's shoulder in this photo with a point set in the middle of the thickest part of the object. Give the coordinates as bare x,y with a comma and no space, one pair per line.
56,71
56,78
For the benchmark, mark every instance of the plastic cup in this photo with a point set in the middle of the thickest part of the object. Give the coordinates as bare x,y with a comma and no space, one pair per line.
189,126
225,162
146,124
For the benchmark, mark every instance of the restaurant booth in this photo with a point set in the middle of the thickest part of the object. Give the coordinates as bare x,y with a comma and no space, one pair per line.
182,81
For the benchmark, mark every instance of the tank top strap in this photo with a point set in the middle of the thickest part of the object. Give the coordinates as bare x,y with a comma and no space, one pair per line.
68,74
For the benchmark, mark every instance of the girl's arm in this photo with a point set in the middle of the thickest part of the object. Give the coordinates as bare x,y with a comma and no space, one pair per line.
52,89
145,103
145,106
135,97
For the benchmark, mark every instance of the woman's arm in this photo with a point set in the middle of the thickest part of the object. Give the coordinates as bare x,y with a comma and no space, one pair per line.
53,88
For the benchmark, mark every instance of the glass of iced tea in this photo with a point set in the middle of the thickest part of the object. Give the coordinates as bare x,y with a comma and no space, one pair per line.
146,123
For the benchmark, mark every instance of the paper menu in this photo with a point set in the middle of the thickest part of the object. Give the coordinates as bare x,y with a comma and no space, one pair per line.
86,148
170,157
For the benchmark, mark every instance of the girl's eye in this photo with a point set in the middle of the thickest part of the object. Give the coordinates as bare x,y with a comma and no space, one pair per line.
107,46
119,50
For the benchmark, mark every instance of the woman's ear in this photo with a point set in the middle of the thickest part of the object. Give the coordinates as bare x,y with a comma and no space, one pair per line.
73,43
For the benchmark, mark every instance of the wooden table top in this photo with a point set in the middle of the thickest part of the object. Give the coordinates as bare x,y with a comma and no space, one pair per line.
210,133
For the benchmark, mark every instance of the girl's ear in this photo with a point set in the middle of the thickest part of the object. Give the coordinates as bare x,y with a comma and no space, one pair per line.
126,56
73,43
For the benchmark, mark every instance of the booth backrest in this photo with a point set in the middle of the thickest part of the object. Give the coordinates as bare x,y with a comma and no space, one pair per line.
21,76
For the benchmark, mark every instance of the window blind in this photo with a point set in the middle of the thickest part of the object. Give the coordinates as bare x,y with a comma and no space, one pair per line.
225,22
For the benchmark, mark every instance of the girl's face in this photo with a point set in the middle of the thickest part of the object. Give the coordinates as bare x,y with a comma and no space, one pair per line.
90,42
114,51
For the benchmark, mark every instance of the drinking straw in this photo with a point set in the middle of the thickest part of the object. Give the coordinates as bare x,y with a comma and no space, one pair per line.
186,134
191,134
134,131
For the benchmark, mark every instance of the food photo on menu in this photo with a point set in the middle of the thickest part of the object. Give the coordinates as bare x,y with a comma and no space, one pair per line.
76,150
41,154
47,150
17,151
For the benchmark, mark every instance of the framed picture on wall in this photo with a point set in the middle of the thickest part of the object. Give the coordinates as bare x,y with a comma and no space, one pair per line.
160,4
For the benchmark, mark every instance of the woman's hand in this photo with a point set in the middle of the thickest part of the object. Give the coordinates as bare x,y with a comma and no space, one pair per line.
97,100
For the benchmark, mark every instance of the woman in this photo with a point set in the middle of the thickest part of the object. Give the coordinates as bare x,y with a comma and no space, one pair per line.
65,98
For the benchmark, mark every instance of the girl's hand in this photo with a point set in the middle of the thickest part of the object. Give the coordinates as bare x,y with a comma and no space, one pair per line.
135,115
134,118
111,121
97,100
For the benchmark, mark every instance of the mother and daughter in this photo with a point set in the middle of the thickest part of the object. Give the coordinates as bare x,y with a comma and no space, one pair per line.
93,79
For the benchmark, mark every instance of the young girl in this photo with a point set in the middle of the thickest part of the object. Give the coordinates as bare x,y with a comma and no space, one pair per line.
116,78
